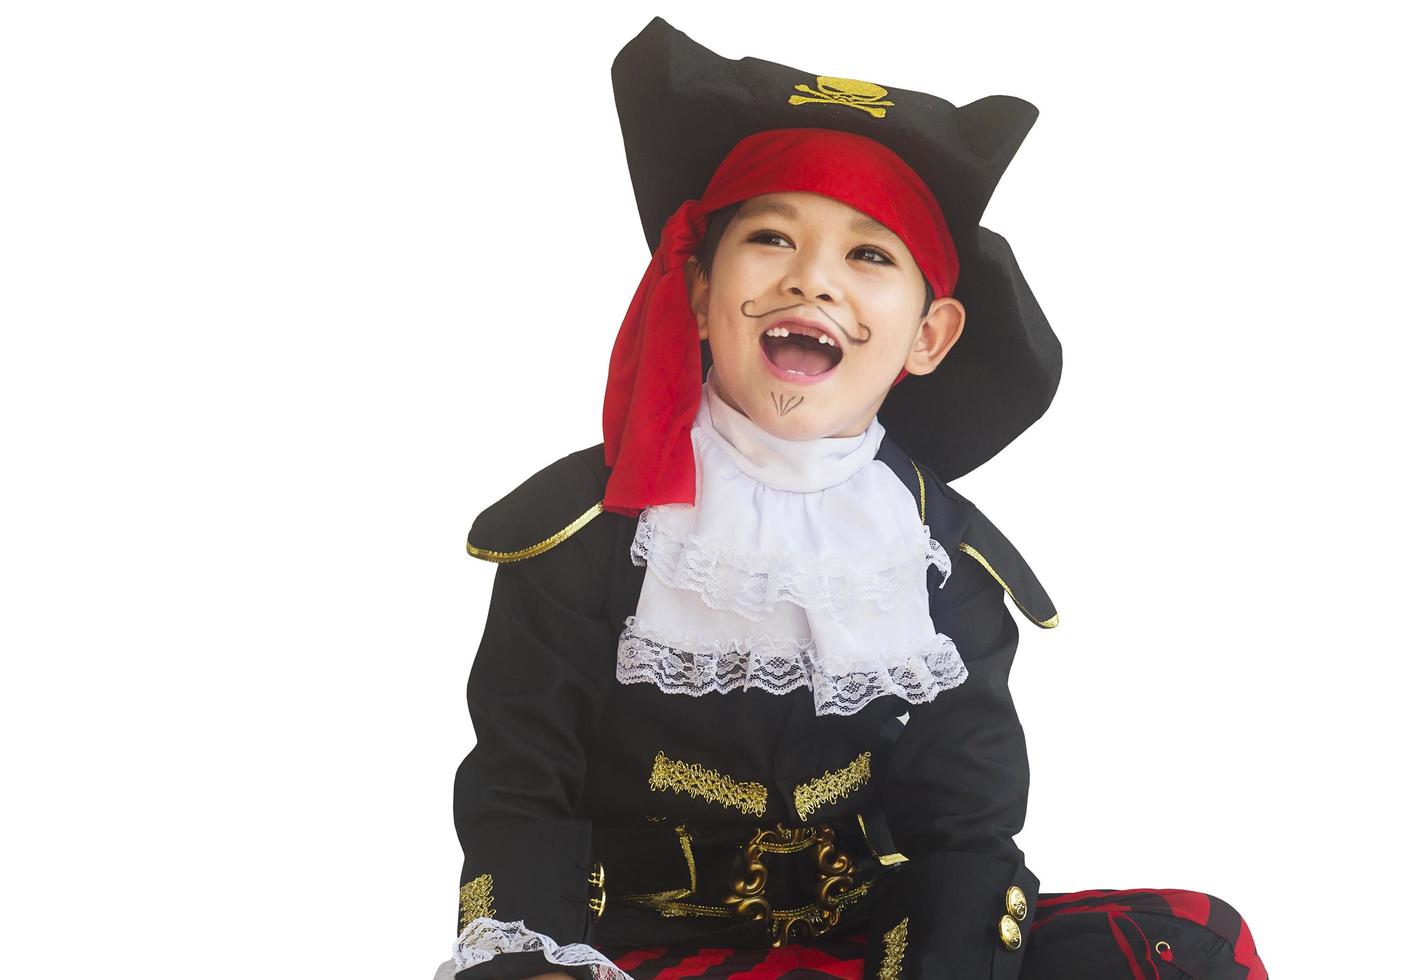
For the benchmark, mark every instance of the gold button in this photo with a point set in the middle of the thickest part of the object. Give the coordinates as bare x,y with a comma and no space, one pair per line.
1010,931
1016,903
597,884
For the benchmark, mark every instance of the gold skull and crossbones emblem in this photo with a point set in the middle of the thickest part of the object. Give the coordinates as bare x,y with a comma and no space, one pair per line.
844,91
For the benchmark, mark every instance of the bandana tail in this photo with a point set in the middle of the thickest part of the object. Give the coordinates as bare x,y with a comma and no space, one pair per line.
652,394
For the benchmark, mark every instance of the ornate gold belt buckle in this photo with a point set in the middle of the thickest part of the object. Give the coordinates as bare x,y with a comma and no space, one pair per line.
835,879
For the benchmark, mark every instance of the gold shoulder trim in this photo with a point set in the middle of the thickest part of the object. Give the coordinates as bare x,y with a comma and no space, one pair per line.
832,785
476,900
921,493
539,546
706,784
1043,623
894,946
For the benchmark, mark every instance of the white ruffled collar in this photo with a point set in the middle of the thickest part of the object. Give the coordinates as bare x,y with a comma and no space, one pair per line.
799,565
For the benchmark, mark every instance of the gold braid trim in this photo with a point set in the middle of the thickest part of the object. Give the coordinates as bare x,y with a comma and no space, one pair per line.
476,900
706,784
539,546
832,785
661,899
921,494
684,845
894,945
1043,623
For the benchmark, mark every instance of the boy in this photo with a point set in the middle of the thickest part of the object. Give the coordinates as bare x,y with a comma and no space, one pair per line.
704,631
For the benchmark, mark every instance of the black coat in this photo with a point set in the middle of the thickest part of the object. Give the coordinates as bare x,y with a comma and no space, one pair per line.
573,772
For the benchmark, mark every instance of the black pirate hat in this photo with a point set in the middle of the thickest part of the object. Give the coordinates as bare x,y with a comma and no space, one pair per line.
682,108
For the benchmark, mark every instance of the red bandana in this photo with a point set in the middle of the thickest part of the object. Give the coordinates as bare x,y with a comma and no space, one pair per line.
653,389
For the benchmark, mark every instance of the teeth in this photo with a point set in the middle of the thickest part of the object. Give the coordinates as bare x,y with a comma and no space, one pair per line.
823,338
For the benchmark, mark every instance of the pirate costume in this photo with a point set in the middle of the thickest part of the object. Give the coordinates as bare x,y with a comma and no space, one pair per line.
691,757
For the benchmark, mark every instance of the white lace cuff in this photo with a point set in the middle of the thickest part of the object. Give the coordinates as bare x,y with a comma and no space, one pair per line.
484,938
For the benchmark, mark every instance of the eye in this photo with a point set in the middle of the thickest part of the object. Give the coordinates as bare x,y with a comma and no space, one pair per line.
769,238
878,257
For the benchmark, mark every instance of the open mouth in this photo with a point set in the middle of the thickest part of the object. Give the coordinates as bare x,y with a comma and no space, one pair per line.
801,350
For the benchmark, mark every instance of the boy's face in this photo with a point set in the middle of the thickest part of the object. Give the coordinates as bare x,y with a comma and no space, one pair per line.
814,267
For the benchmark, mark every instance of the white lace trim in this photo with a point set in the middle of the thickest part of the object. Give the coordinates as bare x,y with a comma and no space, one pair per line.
484,938
750,583
688,664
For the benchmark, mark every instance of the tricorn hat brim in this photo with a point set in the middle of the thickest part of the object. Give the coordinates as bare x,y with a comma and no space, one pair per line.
682,108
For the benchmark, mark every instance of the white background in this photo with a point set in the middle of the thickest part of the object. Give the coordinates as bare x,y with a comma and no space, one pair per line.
292,290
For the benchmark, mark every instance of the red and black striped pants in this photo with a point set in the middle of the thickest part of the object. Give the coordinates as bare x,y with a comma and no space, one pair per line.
1134,934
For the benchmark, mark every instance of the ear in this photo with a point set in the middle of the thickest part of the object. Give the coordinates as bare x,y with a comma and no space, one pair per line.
698,296
938,331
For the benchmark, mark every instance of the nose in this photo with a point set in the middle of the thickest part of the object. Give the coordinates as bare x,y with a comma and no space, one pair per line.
810,276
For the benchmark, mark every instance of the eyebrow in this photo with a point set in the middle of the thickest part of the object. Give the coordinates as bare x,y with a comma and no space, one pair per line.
870,225
861,223
776,207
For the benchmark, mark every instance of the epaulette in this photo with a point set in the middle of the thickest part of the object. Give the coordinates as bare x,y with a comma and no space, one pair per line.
991,549
543,511
952,515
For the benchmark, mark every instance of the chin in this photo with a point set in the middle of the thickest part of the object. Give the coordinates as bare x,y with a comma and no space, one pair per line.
805,417
796,428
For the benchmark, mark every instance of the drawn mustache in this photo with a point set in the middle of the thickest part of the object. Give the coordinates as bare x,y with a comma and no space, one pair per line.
867,331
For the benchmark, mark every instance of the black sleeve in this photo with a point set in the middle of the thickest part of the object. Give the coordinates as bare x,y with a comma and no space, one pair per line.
956,794
536,687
